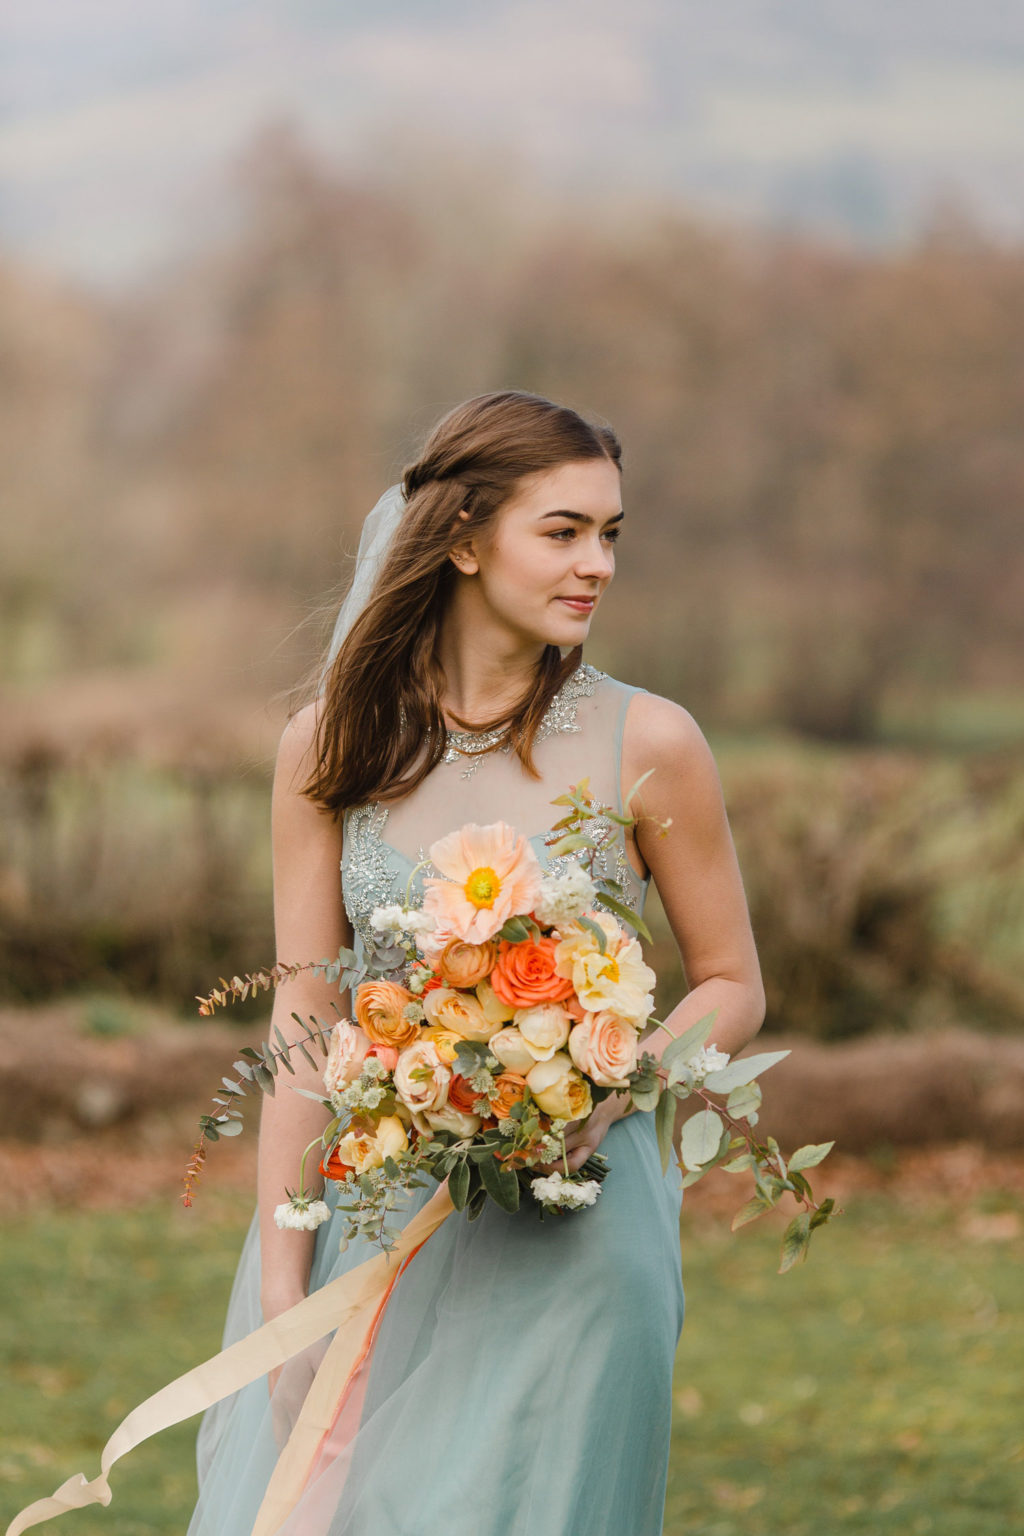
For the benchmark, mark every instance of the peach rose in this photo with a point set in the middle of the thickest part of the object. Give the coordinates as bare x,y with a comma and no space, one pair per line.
605,1048
458,1011
543,1029
511,1088
421,1077
525,974
363,1150
463,965
511,1050
447,1118
344,1055
385,1053
559,1089
379,1006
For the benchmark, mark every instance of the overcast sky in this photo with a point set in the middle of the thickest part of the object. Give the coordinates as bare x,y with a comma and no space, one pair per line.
119,117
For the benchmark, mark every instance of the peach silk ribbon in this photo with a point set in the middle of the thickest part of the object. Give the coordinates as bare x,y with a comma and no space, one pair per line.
352,1305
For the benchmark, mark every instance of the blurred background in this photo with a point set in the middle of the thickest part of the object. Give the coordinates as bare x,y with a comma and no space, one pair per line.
248,255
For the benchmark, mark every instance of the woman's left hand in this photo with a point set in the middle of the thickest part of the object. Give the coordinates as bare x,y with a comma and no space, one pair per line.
583,1137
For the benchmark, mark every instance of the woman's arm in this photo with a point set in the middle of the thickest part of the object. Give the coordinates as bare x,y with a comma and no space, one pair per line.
695,869
310,923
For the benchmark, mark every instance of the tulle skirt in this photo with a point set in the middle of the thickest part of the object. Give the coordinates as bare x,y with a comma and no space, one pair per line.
521,1380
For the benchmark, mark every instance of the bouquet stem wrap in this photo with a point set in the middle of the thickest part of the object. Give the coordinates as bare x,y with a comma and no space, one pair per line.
353,1305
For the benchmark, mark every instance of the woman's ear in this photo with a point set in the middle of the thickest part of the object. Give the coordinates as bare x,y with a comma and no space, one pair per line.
463,556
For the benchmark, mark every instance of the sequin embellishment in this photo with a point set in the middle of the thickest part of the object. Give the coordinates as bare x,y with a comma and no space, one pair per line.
560,716
370,878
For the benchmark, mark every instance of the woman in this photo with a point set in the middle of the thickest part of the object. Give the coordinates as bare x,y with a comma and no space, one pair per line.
521,1378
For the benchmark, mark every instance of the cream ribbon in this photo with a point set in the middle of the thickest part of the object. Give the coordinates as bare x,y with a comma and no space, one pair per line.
350,1304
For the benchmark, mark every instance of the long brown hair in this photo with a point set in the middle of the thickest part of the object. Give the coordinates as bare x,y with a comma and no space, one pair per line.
382,694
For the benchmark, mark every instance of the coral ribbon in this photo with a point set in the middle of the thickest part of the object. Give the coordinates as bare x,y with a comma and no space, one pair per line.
353,1304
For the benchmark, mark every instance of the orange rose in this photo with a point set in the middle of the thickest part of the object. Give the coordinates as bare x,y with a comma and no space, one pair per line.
525,974
461,1095
333,1168
463,965
379,1006
511,1088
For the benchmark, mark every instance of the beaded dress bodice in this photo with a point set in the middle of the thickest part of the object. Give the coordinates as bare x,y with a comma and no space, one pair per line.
579,737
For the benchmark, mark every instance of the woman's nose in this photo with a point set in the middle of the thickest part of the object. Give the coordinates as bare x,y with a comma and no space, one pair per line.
596,559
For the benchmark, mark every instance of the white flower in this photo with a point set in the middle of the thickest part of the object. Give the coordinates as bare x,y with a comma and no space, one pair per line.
563,897
387,919
399,920
570,1194
302,1215
708,1059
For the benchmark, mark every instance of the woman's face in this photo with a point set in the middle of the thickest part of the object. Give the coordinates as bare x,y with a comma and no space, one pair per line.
546,559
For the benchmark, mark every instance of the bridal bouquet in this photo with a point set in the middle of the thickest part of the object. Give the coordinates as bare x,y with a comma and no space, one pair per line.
489,1019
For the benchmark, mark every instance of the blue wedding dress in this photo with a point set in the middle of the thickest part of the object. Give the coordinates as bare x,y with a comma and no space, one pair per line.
521,1380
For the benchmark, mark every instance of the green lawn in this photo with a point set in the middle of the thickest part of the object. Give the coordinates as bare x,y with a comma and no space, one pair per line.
874,1389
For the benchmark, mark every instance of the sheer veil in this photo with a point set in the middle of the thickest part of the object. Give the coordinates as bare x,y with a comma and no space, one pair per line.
379,529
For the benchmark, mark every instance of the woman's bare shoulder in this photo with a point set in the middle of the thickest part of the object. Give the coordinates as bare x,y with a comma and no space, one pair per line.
662,727
296,752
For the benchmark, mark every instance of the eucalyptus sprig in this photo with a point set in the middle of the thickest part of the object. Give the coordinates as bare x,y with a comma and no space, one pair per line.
722,1135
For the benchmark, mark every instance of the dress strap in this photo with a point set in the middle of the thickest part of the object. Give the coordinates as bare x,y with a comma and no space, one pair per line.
627,694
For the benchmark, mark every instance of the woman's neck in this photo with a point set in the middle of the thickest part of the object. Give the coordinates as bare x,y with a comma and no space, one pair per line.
486,675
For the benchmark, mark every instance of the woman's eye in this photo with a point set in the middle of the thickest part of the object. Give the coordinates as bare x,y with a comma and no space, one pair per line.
565,534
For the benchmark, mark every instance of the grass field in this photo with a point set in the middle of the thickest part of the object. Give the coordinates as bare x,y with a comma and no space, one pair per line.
875,1389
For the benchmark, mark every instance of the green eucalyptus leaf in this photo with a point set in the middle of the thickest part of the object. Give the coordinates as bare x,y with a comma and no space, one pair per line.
794,1241
683,1046
664,1124
693,1176
749,1212
596,930
739,1073
515,930
500,1183
744,1100
285,1050
823,1213
810,1156
458,1184
572,843
625,914
702,1135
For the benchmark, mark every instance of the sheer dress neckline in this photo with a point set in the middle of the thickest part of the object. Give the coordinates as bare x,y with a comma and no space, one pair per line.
376,872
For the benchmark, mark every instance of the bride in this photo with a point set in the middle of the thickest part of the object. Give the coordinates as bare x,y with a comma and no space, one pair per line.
521,1381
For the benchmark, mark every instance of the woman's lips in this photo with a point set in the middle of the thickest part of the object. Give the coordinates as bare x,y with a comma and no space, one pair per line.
579,604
